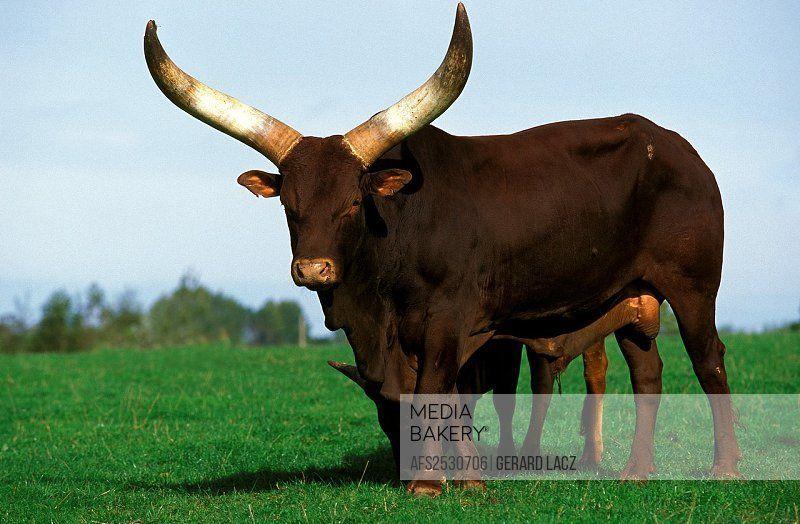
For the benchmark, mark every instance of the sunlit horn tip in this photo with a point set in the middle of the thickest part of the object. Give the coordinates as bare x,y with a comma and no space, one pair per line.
152,46
462,28
370,139
265,134
150,32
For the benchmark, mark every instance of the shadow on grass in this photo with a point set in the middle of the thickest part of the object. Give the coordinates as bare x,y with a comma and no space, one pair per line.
375,467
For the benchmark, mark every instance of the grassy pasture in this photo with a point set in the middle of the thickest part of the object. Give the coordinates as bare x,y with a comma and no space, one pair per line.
217,434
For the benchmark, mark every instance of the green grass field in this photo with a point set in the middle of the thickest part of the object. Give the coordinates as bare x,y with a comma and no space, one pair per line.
215,434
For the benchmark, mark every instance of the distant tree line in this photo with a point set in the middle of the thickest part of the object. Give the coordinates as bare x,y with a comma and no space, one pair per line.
190,314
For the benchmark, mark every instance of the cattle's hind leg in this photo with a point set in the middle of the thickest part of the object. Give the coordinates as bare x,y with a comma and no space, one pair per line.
595,364
695,313
641,354
542,389
509,355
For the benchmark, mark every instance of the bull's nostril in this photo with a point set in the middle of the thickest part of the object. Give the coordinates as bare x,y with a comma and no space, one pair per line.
313,272
326,269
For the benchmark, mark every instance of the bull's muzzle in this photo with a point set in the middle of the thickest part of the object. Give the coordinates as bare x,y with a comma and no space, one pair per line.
314,273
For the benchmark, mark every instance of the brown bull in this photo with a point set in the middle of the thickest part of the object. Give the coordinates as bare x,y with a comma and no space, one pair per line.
459,240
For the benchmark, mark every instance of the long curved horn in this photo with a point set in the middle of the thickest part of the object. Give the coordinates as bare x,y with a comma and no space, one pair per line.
270,137
350,371
419,108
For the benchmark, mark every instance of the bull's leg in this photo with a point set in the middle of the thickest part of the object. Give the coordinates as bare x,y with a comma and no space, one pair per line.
595,364
504,392
389,420
641,354
695,313
466,448
542,389
437,375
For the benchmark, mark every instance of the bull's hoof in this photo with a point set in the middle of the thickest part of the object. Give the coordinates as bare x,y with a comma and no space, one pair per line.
633,472
506,449
424,488
530,452
589,462
470,484
726,472
526,455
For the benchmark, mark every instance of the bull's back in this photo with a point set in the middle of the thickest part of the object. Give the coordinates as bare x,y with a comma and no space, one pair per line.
557,216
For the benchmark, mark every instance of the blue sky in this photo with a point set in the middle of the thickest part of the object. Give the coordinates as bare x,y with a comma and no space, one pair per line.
104,180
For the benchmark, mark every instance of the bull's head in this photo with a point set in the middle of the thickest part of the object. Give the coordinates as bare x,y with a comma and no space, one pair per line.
322,181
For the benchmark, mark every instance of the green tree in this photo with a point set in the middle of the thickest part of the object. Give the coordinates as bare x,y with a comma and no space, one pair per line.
122,324
276,323
13,335
61,328
94,305
192,314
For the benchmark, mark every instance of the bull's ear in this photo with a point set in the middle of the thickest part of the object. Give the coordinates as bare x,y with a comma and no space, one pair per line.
387,182
260,183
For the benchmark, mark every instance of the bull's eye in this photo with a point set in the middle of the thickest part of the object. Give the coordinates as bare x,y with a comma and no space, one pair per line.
353,209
